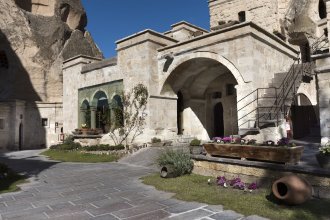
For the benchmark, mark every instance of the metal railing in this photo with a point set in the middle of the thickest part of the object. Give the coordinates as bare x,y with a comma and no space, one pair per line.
281,95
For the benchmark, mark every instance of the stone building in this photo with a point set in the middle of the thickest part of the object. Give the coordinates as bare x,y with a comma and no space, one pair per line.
261,62
219,82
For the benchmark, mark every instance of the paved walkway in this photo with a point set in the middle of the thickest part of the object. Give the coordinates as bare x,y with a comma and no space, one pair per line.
94,191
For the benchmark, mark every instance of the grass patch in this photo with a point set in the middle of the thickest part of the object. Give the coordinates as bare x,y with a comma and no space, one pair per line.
76,156
9,183
195,188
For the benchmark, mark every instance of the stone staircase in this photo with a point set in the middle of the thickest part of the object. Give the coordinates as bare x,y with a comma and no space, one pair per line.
273,102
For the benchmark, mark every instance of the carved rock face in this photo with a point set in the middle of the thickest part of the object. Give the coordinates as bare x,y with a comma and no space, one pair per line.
42,34
70,11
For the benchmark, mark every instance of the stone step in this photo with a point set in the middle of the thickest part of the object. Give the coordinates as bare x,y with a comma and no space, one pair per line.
246,131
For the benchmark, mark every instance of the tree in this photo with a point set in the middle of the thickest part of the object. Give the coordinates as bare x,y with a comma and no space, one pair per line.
129,116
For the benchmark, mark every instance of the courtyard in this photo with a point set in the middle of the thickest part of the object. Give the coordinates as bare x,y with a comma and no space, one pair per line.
94,191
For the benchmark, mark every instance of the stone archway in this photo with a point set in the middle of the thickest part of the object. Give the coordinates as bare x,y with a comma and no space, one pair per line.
100,112
117,114
85,114
302,108
200,81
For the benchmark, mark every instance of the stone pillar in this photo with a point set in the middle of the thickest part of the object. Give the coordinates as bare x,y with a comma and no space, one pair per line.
323,79
93,117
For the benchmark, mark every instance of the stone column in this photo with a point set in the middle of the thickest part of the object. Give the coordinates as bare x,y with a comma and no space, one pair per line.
82,119
93,117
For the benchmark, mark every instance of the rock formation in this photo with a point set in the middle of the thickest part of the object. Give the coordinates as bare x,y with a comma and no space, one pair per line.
36,37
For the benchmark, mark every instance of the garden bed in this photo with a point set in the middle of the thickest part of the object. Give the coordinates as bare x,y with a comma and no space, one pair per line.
279,154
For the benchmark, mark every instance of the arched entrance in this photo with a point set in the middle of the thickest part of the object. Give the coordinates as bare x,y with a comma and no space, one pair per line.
180,108
85,114
218,120
304,118
117,114
100,112
322,9
200,84
20,137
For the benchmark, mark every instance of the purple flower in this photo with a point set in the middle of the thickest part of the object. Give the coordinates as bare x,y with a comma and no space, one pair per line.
253,186
283,142
234,181
226,139
239,185
221,180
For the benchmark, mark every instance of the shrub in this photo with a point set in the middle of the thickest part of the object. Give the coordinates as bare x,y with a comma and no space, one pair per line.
178,159
325,149
155,140
66,147
195,142
69,140
104,147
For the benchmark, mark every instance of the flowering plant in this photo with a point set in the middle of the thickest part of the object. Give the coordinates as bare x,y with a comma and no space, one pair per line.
283,142
217,139
226,139
325,149
236,183
221,180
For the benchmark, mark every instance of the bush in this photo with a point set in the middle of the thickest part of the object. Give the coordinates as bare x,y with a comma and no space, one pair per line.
69,140
178,159
195,142
66,147
155,140
104,147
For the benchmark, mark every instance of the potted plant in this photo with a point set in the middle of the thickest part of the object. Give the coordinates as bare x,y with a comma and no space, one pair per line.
323,157
84,129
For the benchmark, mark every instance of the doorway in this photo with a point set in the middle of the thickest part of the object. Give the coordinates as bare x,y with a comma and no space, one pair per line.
20,137
218,120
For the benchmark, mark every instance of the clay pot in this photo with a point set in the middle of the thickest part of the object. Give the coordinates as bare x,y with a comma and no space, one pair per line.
292,190
167,171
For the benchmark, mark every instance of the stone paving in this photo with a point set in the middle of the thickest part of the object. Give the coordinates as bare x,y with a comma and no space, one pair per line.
95,191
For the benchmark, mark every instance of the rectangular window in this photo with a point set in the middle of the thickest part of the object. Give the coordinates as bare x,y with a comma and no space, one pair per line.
241,16
231,89
44,122
2,124
217,95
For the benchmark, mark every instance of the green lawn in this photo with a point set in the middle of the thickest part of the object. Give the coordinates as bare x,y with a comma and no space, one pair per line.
76,156
195,188
9,184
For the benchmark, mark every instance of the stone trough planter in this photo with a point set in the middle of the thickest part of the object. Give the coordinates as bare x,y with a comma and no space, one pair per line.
287,155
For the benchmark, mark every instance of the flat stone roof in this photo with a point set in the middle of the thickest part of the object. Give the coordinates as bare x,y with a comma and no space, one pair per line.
144,32
188,24
100,64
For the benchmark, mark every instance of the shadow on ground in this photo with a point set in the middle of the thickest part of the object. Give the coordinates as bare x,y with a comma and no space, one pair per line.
27,163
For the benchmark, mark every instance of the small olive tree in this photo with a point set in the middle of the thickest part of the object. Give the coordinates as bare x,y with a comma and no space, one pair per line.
129,118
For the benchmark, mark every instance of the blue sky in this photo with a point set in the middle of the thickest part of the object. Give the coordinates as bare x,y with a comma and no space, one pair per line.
111,20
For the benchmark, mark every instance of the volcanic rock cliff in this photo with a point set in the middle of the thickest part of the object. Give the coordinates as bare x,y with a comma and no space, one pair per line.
36,36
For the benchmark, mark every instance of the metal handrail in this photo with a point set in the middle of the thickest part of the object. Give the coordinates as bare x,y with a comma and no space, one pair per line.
281,94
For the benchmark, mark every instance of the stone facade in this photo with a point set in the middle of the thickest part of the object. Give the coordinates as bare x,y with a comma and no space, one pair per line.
201,84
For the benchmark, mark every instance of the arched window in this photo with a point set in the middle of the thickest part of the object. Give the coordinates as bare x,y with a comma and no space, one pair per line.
322,9
3,60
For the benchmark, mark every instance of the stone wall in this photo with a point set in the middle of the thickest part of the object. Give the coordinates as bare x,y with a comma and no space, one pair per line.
262,175
264,13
